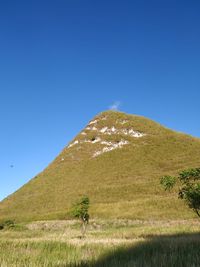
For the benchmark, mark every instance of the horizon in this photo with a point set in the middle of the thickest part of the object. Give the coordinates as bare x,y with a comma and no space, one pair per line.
63,63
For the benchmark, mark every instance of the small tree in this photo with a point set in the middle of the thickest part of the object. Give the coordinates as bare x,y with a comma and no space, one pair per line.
189,189
80,211
168,182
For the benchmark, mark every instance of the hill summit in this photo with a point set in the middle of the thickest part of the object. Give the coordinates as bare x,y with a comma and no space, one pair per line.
116,160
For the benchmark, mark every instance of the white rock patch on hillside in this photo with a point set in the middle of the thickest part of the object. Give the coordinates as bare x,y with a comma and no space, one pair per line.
106,143
74,143
113,130
104,129
91,128
110,146
93,122
96,140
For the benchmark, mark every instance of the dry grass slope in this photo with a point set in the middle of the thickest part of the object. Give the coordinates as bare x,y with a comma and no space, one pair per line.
122,183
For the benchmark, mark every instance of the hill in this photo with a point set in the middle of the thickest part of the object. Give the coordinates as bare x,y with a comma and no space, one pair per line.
117,161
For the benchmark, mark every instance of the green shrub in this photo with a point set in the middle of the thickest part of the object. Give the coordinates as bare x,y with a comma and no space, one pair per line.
189,189
8,224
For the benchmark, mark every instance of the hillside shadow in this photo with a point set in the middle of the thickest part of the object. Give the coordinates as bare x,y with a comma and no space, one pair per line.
181,250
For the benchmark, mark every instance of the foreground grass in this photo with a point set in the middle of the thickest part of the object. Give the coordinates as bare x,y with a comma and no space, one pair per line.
46,254
166,251
108,243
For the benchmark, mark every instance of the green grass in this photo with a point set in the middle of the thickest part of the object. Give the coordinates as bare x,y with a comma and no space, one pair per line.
118,243
123,183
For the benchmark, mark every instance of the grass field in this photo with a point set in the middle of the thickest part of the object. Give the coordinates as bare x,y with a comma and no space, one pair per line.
109,243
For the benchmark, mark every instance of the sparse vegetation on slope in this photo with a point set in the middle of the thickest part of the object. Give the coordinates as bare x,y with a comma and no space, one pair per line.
121,182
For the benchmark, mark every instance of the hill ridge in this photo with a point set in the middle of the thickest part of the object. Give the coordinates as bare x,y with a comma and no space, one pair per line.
116,160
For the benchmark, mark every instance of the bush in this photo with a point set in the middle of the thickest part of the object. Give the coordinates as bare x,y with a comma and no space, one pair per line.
7,224
168,182
189,190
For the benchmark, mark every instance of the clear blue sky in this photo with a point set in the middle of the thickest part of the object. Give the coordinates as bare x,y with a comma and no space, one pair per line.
62,62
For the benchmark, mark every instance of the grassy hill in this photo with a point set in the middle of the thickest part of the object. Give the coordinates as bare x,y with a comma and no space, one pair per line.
117,161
